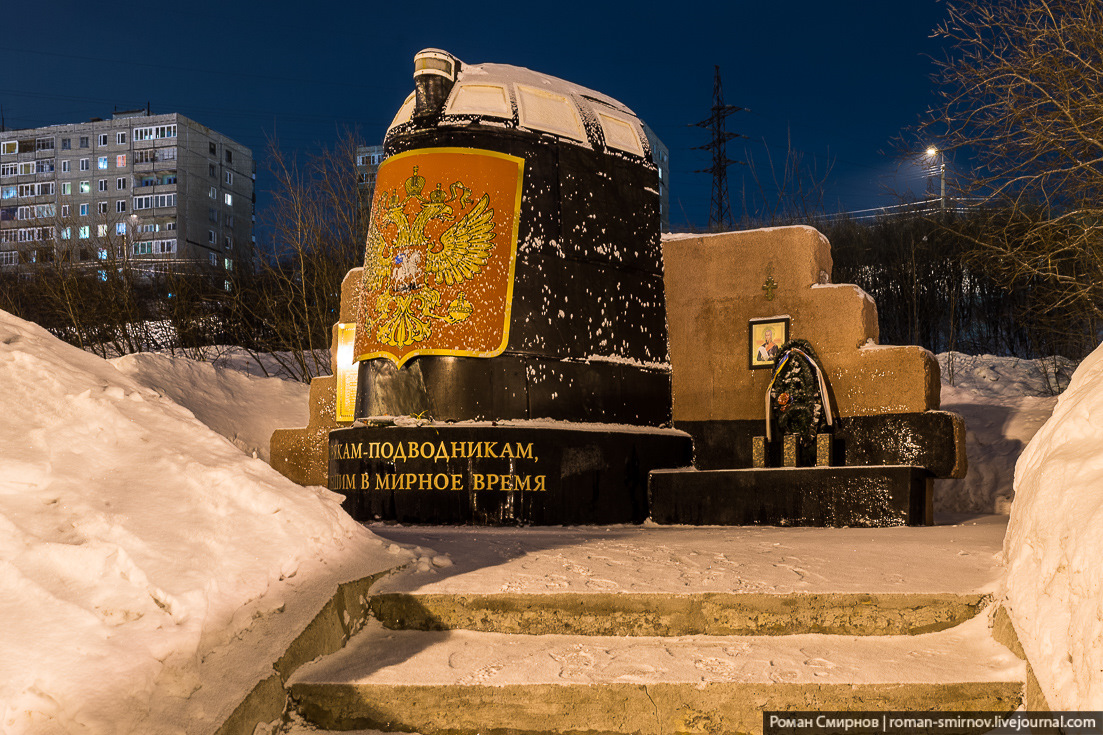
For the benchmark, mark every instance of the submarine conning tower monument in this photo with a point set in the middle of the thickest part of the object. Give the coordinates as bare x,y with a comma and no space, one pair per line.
582,336
510,325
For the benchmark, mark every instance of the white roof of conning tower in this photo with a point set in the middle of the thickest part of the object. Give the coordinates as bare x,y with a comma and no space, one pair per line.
539,102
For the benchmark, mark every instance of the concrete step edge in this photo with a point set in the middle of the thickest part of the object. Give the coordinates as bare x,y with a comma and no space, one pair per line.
663,614
338,619
460,681
651,709
380,657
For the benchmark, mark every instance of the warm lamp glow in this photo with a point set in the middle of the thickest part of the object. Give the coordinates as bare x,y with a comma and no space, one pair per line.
932,151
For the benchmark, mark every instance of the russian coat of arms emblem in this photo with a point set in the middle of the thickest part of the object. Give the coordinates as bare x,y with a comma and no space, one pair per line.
440,256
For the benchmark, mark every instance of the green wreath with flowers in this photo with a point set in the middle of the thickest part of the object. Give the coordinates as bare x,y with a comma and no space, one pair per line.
798,401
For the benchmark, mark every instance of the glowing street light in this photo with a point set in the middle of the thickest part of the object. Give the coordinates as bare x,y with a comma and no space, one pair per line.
933,151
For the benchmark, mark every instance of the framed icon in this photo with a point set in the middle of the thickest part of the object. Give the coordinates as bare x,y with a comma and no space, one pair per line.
765,337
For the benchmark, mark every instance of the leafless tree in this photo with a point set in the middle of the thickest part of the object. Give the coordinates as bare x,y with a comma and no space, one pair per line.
792,193
75,282
82,279
318,222
1020,111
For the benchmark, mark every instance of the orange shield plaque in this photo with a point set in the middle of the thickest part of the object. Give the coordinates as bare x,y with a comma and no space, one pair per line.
441,252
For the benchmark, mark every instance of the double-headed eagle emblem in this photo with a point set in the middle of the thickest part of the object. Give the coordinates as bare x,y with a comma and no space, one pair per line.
417,245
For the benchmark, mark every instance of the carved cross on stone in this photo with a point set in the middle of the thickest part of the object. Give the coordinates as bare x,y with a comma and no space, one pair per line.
769,288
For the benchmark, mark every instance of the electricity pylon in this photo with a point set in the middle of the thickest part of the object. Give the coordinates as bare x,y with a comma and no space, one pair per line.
720,211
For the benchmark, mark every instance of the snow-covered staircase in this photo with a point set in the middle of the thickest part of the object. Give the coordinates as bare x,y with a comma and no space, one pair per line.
464,680
453,655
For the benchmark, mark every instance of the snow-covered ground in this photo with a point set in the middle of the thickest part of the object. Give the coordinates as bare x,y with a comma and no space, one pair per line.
1004,401
139,548
959,556
136,543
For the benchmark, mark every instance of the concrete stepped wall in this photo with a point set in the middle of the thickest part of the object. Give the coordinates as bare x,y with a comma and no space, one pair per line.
300,454
1003,630
885,398
714,285
338,620
351,606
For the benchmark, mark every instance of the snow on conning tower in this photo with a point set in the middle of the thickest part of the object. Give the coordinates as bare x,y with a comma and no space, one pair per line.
460,320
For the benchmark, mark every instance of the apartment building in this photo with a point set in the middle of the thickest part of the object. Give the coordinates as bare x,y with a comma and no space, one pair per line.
368,158
152,192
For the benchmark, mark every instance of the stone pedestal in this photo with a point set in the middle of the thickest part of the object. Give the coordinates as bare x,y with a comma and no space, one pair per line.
793,496
505,474
887,429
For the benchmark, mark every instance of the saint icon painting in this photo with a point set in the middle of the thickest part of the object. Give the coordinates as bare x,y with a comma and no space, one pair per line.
766,338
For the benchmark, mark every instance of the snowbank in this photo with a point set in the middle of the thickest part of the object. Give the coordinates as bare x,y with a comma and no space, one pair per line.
134,541
1054,546
243,408
269,364
1004,401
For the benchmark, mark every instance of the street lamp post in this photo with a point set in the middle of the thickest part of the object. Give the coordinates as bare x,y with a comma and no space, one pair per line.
933,151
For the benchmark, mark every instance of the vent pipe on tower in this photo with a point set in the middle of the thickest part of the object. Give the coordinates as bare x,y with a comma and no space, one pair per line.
434,74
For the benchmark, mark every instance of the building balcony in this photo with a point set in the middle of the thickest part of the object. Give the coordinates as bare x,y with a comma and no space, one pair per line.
154,188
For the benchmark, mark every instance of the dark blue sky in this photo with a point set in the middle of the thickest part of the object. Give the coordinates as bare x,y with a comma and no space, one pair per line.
837,81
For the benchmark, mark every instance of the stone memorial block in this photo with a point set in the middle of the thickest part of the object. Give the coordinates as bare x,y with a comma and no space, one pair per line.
884,399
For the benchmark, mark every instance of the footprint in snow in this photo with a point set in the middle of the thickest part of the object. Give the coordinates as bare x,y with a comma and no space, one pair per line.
602,584
513,585
716,666
632,673
556,581
820,663
784,676
575,660
481,675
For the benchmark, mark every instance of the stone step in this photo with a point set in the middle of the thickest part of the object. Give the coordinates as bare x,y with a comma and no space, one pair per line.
662,614
460,681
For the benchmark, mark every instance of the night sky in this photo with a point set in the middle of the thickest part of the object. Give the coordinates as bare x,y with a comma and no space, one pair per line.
835,81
